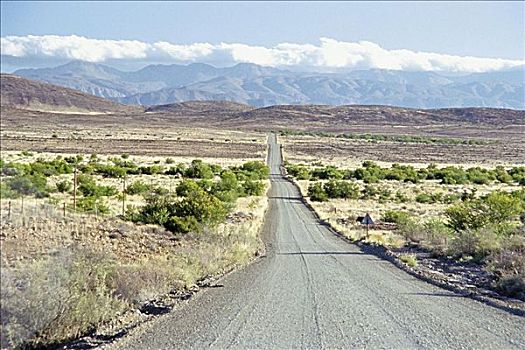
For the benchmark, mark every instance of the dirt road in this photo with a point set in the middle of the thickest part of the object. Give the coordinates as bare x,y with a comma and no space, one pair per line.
312,290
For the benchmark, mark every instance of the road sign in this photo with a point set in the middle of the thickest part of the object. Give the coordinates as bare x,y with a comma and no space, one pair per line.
367,220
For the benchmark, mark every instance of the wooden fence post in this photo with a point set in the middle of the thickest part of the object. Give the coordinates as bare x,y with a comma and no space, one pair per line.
123,194
23,213
75,189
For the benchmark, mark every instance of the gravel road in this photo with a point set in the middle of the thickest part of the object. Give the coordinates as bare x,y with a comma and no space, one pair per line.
312,290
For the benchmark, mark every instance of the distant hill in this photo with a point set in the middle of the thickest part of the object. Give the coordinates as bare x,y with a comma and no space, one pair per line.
25,94
264,86
201,107
305,117
28,94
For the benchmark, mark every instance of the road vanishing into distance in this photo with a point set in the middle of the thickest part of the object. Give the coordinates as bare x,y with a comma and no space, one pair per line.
312,290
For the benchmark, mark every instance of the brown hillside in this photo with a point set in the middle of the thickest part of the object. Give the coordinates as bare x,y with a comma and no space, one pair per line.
195,107
28,94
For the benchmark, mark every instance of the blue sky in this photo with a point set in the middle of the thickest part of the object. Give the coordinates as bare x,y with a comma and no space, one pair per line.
479,29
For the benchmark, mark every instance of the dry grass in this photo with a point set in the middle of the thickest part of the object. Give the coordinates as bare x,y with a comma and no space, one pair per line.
507,150
48,295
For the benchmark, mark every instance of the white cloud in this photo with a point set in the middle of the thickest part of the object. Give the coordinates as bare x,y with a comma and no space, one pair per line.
329,53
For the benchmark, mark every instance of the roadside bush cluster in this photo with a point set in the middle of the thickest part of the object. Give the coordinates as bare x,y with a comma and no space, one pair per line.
31,179
370,172
485,229
333,189
198,204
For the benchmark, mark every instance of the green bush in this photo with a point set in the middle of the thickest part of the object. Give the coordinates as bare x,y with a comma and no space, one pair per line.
253,188
151,170
92,205
257,170
187,188
316,192
64,186
409,259
497,209
138,187
28,185
89,188
327,173
300,172
396,216
179,170
341,189
199,170
194,210
106,170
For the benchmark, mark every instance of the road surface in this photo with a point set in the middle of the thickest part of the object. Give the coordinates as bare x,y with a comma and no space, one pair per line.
312,291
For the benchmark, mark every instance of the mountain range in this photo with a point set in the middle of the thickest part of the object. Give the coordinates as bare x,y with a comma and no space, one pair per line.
264,86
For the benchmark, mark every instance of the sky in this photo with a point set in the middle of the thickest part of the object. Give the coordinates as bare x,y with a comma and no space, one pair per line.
435,36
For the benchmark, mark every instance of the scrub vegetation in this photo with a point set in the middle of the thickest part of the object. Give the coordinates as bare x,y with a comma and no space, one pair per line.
132,232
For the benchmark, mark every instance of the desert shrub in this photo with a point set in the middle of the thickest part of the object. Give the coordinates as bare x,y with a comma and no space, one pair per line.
89,188
92,205
316,192
112,171
253,188
227,189
411,230
207,210
369,192
49,168
187,187
502,175
384,194
179,170
256,170
512,286
138,187
424,198
6,192
437,236
406,173
400,197
509,259
169,160
480,176
199,170
464,243
451,175
498,209
50,301
300,172
396,216
409,259
327,173
151,170
64,186
370,179
341,189
28,185
194,211
518,174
